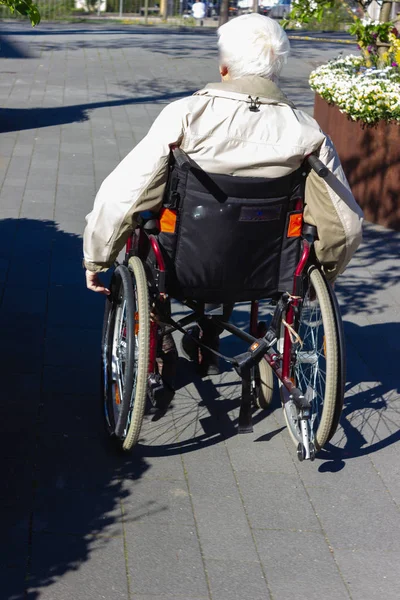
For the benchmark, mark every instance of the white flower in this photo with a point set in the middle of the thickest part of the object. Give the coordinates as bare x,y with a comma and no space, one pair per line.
357,90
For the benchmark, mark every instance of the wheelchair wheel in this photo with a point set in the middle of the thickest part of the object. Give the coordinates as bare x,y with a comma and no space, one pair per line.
125,354
265,385
317,365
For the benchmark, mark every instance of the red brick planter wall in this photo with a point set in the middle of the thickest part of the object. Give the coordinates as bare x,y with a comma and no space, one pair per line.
370,159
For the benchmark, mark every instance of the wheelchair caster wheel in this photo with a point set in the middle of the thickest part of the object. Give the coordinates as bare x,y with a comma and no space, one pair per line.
301,452
312,451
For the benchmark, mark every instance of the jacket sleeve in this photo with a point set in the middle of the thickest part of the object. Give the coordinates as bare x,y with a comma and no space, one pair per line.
136,184
332,208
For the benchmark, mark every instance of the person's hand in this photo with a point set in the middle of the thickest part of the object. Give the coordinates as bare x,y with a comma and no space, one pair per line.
94,283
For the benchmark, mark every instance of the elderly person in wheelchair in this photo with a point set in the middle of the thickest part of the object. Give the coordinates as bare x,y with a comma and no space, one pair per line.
236,136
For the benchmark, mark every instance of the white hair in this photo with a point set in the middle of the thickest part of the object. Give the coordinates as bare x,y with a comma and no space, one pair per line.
253,45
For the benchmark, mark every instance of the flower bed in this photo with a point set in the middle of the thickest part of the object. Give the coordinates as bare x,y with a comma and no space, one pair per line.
364,94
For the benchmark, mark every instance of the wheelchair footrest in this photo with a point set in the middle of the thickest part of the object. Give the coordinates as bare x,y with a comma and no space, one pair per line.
155,389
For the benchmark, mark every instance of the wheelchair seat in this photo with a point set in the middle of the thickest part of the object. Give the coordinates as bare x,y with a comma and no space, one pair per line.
229,239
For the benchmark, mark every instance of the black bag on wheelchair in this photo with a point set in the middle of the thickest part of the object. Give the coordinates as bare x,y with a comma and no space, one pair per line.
230,239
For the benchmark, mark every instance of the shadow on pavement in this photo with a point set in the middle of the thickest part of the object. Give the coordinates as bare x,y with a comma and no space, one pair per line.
164,41
371,414
366,284
19,119
213,419
101,29
62,483
11,49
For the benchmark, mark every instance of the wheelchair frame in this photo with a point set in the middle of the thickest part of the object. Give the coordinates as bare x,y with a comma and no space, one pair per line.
260,347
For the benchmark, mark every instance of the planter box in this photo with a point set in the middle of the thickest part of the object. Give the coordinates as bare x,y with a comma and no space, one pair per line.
370,159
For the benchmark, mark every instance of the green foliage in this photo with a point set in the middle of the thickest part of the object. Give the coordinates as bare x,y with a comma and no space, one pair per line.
57,9
304,11
378,42
336,18
367,33
24,7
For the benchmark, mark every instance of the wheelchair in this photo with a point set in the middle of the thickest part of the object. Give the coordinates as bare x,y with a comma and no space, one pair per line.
222,239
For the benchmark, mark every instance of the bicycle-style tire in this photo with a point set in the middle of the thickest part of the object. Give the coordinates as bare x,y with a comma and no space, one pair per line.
143,351
317,367
125,354
341,382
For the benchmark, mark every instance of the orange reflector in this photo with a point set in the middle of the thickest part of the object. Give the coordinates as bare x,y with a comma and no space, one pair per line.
136,323
325,346
167,220
117,396
254,346
295,223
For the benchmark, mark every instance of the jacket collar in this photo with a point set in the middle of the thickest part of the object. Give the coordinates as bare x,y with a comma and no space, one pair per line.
265,90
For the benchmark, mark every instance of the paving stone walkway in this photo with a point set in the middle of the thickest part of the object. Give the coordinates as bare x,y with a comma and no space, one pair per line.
196,512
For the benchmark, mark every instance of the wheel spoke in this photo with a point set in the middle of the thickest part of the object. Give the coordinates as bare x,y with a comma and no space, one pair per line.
315,361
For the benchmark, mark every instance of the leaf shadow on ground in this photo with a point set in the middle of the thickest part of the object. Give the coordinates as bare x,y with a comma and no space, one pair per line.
62,482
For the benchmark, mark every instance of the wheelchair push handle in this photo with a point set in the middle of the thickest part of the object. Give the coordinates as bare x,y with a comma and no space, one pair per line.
318,166
181,158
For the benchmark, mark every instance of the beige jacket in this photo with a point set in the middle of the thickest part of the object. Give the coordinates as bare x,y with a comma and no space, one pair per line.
217,129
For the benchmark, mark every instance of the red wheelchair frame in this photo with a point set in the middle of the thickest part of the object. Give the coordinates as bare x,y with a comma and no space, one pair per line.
261,343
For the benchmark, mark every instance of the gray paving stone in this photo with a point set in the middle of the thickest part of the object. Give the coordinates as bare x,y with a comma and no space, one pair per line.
37,210
69,148
233,580
64,379
10,213
77,415
65,310
12,583
168,597
218,508
276,501
343,474
19,166
70,212
368,519
66,272
73,230
371,574
4,265
265,451
77,512
75,165
386,463
309,566
43,196
55,572
158,501
16,181
16,357
43,166
31,302
85,181
76,462
63,349
173,552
